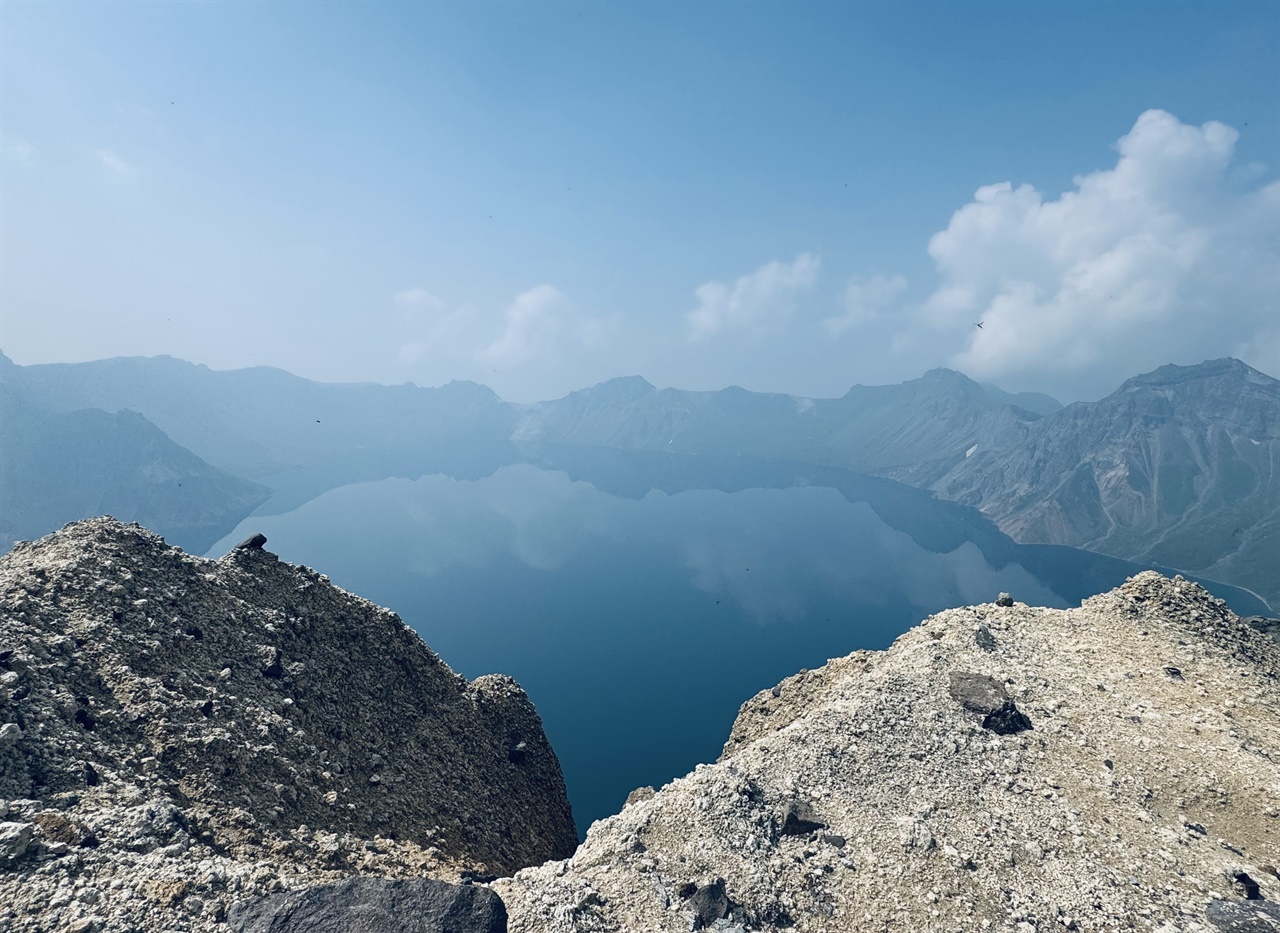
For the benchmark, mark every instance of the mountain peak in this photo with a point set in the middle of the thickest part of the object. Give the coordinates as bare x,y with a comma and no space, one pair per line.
623,387
1226,369
942,374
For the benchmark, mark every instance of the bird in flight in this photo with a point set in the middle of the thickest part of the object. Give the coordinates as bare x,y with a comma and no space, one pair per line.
978,324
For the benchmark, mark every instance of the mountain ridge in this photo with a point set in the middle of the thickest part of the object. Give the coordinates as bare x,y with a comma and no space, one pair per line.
1177,466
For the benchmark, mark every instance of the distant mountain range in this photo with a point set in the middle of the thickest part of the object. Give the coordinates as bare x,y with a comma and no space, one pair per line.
56,467
1177,467
869,429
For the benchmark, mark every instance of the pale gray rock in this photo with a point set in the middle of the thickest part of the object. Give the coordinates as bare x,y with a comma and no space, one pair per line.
14,840
1134,802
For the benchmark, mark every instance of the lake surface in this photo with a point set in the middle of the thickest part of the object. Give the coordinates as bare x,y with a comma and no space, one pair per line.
637,625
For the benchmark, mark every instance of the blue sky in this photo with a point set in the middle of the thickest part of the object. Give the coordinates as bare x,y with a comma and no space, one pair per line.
540,196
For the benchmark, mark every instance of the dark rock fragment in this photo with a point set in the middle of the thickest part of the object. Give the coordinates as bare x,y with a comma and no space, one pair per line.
984,639
252,543
1174,673
977,693
517,753
1007,720
1251,890
1004,599
800,820
640,793
374,905
709,903
1244,916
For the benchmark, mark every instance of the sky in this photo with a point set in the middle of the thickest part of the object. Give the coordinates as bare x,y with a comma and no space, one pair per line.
787,197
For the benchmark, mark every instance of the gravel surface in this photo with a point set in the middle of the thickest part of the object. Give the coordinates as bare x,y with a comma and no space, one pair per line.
1000,767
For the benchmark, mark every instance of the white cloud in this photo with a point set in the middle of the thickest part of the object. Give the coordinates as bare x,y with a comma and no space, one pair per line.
17,148
417,298
865,299
1161,257
430,327
114,164
759,301
531,327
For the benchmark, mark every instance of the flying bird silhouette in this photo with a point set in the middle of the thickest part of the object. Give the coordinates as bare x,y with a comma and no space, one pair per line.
978,324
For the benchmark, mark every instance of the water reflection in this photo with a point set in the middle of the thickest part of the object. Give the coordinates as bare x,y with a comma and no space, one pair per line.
638,625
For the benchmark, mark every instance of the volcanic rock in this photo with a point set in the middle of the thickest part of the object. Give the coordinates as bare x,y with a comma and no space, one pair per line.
177,734
1137,801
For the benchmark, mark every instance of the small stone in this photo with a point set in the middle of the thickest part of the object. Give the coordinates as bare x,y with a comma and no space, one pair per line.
977,693
1007,720
252,543
15,838
10,732
1004,599
800,820
639,794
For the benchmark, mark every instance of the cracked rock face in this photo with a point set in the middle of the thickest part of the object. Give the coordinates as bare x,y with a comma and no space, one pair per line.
868,795
178,734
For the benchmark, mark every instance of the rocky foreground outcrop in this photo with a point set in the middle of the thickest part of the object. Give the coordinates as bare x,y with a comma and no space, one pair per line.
1000,767
238,746
179,734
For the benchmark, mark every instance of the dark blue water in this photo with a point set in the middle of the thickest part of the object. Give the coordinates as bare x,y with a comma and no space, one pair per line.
638,626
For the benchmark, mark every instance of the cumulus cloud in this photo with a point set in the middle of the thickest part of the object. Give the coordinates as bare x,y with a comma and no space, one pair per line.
430,327
866,299
531,326
759,301
1162,255
114,164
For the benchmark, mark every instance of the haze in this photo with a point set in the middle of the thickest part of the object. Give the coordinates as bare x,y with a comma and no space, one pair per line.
538,197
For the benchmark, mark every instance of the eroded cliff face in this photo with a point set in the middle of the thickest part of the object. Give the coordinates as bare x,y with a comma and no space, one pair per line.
178,733
1000,767
1177,467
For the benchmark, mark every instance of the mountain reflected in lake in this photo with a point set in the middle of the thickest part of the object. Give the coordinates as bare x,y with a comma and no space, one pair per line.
640,618
637,625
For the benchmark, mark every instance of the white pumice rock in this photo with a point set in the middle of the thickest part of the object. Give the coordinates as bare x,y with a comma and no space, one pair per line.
1066,825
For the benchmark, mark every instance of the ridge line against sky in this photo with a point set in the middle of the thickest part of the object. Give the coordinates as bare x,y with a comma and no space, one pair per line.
790,198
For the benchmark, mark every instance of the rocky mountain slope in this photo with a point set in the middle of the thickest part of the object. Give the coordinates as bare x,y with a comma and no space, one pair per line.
56,467
870,428
1000,767
260,422
1177,467
178,733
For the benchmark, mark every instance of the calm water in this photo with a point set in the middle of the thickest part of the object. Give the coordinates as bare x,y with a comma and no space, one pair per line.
637,626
